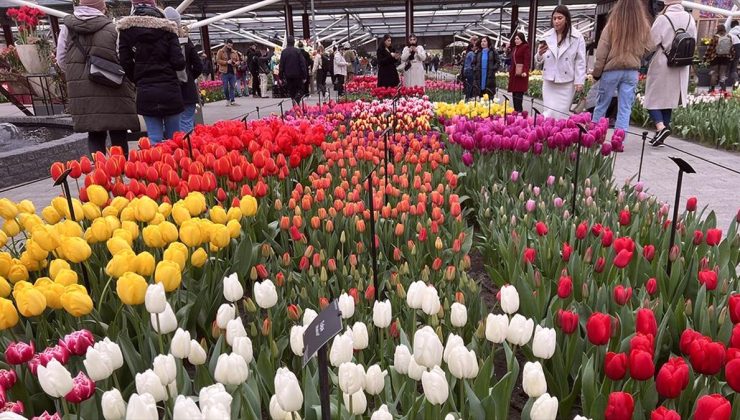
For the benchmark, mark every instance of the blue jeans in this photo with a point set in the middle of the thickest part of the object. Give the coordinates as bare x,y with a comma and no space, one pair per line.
160,128
229,81
661,116
187,118
624,82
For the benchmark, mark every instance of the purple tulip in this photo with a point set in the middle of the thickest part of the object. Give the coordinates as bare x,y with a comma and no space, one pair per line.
467,159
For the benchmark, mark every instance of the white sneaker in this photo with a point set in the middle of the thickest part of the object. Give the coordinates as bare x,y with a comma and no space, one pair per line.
228,104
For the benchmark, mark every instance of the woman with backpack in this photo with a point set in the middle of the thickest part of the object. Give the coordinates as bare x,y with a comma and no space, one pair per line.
719,55
674,36
624,41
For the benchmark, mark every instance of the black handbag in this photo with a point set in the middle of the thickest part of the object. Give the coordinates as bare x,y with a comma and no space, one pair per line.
99,69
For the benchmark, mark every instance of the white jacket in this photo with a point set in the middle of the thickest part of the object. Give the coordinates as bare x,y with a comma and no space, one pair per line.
566,63
340,64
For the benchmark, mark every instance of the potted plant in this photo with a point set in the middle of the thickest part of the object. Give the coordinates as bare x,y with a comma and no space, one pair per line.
31,48
702,74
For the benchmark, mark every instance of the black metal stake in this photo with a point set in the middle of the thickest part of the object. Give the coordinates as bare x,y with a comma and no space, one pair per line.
324,391
258,112
62,180
373,247
536,113
642,154
387,155
683,166
190,145
282,115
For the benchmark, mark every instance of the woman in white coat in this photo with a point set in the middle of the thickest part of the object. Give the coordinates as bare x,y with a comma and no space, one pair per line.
563,52
340,70
412,61
667,87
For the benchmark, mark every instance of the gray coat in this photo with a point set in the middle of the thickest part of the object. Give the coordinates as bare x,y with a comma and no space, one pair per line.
96,107
668,87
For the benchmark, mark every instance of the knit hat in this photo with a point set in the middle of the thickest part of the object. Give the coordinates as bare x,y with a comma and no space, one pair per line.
96,4
151,3
171,14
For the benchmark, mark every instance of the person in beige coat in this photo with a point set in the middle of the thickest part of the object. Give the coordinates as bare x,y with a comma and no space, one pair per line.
667,87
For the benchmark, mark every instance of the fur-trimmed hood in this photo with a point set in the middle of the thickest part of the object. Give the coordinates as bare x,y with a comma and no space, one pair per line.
147,22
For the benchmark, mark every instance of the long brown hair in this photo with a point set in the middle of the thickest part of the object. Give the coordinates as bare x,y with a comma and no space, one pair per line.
630,31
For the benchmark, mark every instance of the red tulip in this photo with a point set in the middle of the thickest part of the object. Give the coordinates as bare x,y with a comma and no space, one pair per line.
596,229
645,322
732,374
691,204
19,352
78,342
707,357
355,295
648,251
662,413
698,237
529,255
622,294
57,168
615,365
708,278
643,342
734,304
582,230
687,338
8,378
76,171
304,263
85,165
293,312
599,328
370,293
641,365
394,331
541,229
712,407
620,406
714,237
46,416
567,250
624,218
607,237
568,321
651,286
565,287
673,377
84,388
295,234
58,352
735,337
600,264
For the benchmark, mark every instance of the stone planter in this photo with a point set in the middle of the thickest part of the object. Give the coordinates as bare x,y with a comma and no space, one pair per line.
703,77
30,56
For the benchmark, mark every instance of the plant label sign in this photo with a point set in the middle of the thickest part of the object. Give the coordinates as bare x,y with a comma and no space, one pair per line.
322,329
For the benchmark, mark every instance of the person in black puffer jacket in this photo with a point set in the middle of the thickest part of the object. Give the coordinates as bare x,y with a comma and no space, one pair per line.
293,69
150,54
193,67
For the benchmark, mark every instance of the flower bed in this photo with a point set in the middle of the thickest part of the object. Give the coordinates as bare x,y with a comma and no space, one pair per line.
365,88
211,90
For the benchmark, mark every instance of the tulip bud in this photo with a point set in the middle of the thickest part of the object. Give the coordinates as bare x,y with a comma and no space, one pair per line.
688,310
584,290
675,253
266,327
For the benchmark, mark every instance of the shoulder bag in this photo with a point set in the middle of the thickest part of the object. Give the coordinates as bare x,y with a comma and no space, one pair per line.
99,69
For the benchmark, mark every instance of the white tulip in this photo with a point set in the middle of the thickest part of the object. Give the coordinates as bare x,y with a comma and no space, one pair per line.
149,383
458,315
114,408
543,344
180,345
243,347
430,301
167,321
497,326
520,330
382,414
401,359
509,299
415,370
155,298
463,363
375,380
97,364
55,379
112,350
165,368
226,313
415,294
233,289
231,369
214,396
382,314
427,347
346,305
453,340
265,294
277,412
449,416
234,329
296,339
142,407
358,403
359,336
579,417
544,408
185,408
308,316
288,391
351,377
435,386
216,412
197,355
9,415
533,379
341,350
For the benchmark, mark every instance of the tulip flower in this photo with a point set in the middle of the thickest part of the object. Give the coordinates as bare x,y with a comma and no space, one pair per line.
645,322
622,294
180,344
732,373
234,329
78,342
8,314
641,365
214,399
84,388
375,380
19,352
427,347
434,383
359,336
276,412
415,370
288,391
565,287
165,322
58,352
356,403
707,357
341,349
165,368
568,321
651,286
114,407
296,339
662,413
598,328
620,406
148,382
672,378
382,314
543,344
233,290
8,378
453,341
415,294
529,255
509,299
714,407
615,365
231,369
243,347
458,315
533,379
351,377
185,408
226,313
197,355
265,294
155,299
55,379
545,407
382,414
713,237
687,338
401,359
308,316
463,363
430,301
520,330
142,407
98,364
497,327
708,278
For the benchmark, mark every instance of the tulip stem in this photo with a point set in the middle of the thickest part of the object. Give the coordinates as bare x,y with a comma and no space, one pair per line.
462,398
79,412
339,403
65,407
159,336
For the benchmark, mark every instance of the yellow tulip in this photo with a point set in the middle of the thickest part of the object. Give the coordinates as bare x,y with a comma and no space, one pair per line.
69,228
91,211
144,209
153,237
178,253
218,215
248,206
35,250
100,230
20,286
213,248
29,221
131,288
235,228
128,214
168,273
11,228
97,194
195,202
4,287
180,214
110,211
131,227
30,262
3,239
169,231
8,209
198,259
66,277
30,301
165,209
158,218
18,272
76,250
234,213
56,266
119,203
6,261
26,206
77,207
220,236
51,215
113,222
144,263
120,263
46,238
190,233
8,314
124,234
52,292
60,205
76,301
117,244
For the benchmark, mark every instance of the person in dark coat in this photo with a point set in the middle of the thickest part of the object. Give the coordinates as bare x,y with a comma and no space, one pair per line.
485,64
293,70
521,60
193,67
387,62
309,65
207,66
96,109
151,56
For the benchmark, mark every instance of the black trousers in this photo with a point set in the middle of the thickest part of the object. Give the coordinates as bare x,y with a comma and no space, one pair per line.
295,89
256,84
518,98
339,84
96,141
